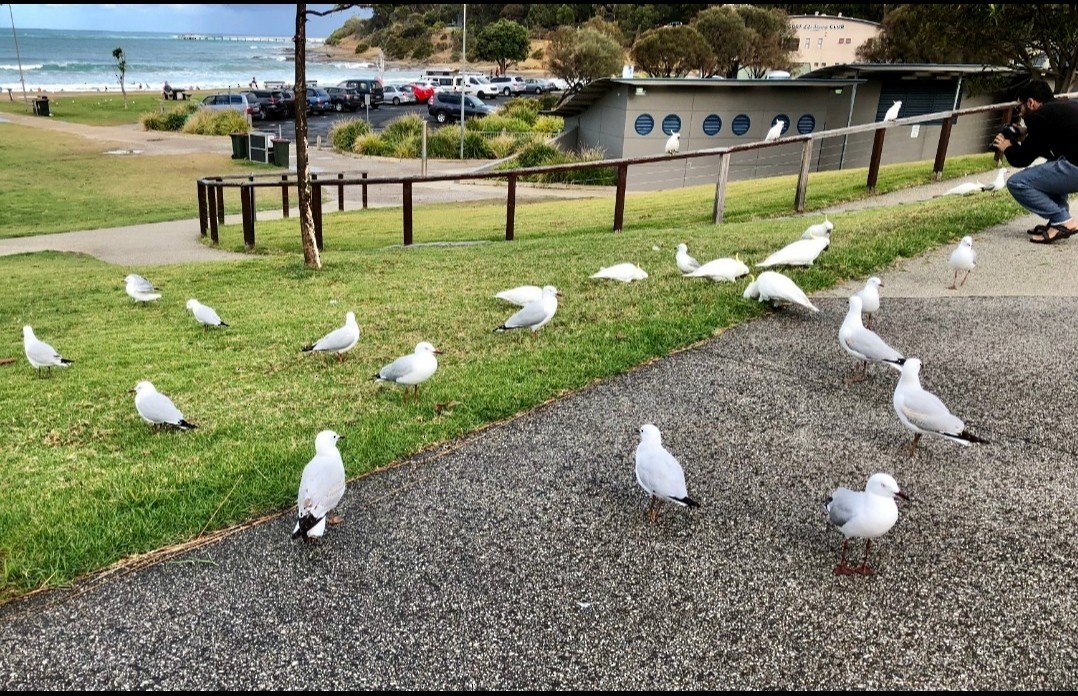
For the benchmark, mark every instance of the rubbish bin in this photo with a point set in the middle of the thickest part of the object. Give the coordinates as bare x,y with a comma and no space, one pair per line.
239,145
41,106
280,152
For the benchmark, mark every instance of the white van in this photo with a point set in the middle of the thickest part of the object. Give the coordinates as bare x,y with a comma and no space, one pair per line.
476,85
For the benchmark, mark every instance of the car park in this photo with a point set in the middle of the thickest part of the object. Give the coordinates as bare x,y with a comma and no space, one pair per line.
318,101
244,102
366,86
508,85
344,99
397,95
538,85
446,106
274,103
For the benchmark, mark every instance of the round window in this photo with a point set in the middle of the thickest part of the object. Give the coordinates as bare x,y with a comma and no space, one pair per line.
740,124
671,124
806,124
644,124
712,124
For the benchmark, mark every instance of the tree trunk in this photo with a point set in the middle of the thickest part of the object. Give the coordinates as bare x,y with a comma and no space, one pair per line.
311,258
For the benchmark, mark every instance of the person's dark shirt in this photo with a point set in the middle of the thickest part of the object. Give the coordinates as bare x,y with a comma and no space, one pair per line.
1051,133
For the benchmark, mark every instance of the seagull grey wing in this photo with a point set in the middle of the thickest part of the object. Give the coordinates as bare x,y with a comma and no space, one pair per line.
43,353
660,473
397,369
322,487
869,344
334,340
528,316
140,284
924,410
207,315
159,408
842,506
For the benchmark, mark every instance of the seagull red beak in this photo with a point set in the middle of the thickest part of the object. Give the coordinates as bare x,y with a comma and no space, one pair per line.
902,495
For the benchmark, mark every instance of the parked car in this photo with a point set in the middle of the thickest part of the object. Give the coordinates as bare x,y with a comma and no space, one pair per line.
508,85
318,100
396,95
477,85
538,85
244,102
365,86
344,99
446,106
423,91
274,103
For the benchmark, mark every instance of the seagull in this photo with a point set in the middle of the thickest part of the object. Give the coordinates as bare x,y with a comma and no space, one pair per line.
870,299
41,354
205,315
820,229
867,514
965,189
776,131
892,113
923,413
999,182
659,473
157,409
321,487
685,263
339,340
721,270
521,295
963,258
625,272
803,252
864,344
775,287
673,144
411,370
534,315
140,289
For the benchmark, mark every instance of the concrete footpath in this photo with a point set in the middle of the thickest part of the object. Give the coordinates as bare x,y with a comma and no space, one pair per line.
520,557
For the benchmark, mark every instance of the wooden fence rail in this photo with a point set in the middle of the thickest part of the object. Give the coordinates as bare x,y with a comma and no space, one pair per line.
211,189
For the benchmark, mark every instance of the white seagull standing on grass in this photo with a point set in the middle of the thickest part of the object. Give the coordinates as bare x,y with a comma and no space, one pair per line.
321,487
776,131
41,354
411,370
922,412
673,144
338,341
864,344
776,288
999,182
867,514
140,289
534,315
659,473
157,409
521,295
685,263
205,315
963,258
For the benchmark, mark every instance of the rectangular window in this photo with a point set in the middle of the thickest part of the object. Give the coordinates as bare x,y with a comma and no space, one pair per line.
819,43
808,44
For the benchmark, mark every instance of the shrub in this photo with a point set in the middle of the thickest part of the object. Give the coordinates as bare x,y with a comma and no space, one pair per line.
207,122
503,145
526,110
540,154
362,47
444,143
171,120
369,144
343,134
549,125
496,124
405,126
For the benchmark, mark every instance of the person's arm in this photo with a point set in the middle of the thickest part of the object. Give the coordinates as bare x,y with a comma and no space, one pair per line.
1035,143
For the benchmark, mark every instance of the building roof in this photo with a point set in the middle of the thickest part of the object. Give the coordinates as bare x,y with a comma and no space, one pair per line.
577,103
853,70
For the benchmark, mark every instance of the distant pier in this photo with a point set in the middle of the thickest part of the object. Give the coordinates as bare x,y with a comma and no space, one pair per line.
257,39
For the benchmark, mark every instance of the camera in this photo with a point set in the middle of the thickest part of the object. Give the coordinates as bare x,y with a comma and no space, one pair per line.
1011,132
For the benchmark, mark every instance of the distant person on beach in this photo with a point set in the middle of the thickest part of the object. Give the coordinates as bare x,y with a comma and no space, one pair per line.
166,90
254,83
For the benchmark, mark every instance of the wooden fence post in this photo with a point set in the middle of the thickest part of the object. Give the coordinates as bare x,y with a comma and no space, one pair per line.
340,192
511,208
877,157
316,213
364,187
220,202
719,208
803,177
619,197
941,150
284,195
247,206
407,205
203,223
212,198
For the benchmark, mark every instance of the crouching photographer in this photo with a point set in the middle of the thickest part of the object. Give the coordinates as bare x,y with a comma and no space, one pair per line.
1051,132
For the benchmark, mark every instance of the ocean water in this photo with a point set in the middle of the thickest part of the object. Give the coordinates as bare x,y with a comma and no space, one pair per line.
55,60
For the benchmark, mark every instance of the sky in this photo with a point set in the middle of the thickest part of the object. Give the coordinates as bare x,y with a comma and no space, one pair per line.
238,20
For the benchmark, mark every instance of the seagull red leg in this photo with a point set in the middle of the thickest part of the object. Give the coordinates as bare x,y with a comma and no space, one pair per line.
864,568
842,568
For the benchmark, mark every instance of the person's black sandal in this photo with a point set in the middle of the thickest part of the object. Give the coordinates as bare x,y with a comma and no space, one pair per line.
1046,237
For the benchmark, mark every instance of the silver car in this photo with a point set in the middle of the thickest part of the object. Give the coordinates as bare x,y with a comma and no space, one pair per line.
244,102
397,95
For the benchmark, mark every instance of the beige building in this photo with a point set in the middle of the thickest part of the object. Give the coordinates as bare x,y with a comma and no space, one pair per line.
823,40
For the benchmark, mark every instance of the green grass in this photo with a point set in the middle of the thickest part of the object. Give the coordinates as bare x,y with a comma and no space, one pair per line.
86,483
97,109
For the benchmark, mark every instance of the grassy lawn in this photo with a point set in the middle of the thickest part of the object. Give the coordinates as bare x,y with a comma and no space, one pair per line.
96,109
87,484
